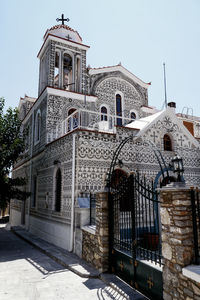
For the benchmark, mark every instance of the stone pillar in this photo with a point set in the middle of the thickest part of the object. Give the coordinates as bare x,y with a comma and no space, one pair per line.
102,228
177,242
95,245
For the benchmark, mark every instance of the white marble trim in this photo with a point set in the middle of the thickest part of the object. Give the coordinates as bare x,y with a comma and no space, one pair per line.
89,228
192,272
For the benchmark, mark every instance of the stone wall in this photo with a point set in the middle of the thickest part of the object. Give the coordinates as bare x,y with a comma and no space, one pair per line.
177,244
95,245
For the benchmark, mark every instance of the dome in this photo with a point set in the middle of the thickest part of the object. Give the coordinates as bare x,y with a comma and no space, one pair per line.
65,32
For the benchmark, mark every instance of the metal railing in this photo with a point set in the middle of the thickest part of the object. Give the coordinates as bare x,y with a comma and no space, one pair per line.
89,120
195,202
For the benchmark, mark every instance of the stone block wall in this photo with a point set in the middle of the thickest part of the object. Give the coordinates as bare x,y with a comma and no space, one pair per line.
177,244
95,245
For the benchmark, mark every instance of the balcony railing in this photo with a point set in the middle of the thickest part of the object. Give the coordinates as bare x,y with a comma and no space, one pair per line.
89,120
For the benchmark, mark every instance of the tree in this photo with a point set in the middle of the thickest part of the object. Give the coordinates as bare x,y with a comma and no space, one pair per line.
11,146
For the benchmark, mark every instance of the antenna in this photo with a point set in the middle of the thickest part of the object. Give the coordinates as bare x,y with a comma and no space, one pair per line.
165,86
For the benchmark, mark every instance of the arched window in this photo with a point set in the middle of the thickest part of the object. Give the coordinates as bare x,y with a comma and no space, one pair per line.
43,72
71,110
133,115
58,181
37,126
167,143
119,109
67,72
104,112
56,70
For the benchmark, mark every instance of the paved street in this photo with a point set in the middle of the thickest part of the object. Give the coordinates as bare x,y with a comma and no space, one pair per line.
28,274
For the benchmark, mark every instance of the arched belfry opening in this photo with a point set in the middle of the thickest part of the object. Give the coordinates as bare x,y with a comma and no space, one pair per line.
78,74
57,70
67,72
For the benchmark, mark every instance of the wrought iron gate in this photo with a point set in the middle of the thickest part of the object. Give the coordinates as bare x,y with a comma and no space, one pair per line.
135,250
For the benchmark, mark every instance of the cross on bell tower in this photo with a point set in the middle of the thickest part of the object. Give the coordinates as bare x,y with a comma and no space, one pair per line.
62,19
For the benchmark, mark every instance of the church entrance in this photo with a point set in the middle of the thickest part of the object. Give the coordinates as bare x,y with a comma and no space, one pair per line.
135,246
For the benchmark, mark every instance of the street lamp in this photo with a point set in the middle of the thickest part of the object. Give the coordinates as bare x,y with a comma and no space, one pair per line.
177,167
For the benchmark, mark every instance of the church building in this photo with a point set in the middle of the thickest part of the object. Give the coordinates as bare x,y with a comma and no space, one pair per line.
79,119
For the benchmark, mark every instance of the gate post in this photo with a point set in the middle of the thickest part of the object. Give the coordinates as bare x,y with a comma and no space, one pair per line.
95,243
177,242
102,229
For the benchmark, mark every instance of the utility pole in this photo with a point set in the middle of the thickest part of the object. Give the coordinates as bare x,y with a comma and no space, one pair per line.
165,86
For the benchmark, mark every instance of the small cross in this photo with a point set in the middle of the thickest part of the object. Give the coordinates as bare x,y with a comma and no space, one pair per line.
154,136
68,37
181,140
62,19
150,282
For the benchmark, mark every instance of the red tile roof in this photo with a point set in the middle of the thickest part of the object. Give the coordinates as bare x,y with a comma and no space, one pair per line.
62,26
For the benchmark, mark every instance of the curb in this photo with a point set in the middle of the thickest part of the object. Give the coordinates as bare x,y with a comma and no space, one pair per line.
131,293
58,260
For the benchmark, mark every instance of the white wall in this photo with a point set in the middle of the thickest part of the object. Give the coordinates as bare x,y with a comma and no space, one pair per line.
53,232
15,217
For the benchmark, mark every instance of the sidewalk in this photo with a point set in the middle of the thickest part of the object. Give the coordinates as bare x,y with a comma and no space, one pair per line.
77,265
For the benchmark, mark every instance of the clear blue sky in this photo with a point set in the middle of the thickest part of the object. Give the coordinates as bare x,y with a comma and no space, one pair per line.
141,34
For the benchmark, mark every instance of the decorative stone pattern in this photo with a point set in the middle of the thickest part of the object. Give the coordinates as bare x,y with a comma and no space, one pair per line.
177,244
106,91
26,106
95,247
95,152
116,81
37,147
57,111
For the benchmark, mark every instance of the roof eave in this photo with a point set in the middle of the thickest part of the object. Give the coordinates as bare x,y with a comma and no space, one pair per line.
121,69
66,41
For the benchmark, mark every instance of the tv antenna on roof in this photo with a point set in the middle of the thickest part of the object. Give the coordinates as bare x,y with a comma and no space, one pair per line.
165,86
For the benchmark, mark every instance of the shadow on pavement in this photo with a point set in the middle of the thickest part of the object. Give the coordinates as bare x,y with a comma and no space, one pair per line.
13,248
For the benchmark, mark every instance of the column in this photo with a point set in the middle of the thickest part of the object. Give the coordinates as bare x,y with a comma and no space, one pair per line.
177,242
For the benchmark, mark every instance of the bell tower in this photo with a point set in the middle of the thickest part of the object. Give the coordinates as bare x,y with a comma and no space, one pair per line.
63,59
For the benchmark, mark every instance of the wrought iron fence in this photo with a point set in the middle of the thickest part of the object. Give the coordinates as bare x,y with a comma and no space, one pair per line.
195,202
92,209
147,221
135,227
